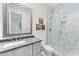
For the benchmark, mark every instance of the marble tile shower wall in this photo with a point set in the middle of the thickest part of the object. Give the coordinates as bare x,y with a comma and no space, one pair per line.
68,42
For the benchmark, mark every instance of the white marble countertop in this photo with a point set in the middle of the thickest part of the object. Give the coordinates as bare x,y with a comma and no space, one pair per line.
27,40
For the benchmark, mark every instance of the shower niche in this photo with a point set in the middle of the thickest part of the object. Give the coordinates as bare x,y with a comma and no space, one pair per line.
17,19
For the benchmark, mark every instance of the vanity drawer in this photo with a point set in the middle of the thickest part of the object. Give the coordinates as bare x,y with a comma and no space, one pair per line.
8,53
36,44
24,51
37,54
36,49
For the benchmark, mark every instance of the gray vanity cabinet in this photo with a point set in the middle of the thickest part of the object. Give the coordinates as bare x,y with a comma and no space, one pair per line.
24,51
8,53
36,49
32,49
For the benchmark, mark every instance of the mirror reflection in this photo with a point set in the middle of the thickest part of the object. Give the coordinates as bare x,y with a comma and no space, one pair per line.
18,19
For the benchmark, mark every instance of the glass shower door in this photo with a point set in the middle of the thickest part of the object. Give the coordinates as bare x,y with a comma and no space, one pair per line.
49,31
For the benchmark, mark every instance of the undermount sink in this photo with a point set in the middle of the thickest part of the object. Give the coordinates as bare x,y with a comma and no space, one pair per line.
13,43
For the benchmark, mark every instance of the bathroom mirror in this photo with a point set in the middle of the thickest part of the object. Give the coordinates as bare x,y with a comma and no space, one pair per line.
17,19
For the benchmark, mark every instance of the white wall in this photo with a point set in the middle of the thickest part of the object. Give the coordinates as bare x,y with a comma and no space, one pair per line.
68,43
1,20
38,11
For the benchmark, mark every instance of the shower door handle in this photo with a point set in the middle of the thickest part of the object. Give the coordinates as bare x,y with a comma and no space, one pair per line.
50,30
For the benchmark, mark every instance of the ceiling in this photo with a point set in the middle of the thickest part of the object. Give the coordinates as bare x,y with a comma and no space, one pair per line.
52,5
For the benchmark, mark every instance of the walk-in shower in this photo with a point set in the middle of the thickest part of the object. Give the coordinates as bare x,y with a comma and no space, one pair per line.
63,29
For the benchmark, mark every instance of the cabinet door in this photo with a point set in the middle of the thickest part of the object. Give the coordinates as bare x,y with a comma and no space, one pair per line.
36,49
8,53
24,51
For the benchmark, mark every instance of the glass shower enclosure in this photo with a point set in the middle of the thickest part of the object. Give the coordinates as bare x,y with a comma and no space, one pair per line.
63,32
